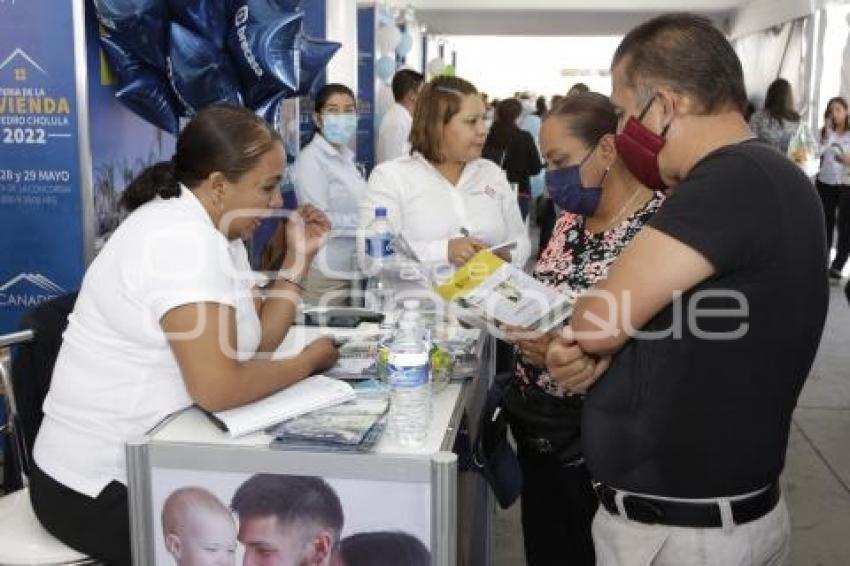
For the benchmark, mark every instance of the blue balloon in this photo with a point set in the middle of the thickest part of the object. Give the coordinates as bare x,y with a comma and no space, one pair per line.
143,89
270,110
208,18
150,99
262,43
288,5
315,55
404,45
200,74
138,25
385,68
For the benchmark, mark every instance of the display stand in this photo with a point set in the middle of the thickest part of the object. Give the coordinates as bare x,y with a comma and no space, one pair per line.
421,491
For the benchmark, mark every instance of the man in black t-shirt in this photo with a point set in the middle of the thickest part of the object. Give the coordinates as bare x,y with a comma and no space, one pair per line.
710,320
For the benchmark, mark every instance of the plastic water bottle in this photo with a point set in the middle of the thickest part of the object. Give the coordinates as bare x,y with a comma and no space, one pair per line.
379,252
410,385
413,312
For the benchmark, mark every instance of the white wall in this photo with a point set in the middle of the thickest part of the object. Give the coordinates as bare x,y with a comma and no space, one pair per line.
835,75
413,60
501,66
341,21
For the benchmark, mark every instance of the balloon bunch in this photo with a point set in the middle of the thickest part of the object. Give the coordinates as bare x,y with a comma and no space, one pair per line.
391,42
173,57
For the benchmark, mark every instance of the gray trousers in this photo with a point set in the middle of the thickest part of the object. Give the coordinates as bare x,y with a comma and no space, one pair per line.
763,542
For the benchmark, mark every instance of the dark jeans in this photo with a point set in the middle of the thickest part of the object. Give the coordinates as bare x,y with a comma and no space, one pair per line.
836,198
558,505
97,527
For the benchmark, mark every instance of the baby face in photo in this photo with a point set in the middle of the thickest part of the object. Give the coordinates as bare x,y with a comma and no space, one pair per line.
199,530
210,540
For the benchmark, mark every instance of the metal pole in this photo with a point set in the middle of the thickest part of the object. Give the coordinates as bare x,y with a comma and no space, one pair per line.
16,338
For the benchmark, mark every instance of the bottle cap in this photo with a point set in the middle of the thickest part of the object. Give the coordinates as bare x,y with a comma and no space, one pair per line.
380,212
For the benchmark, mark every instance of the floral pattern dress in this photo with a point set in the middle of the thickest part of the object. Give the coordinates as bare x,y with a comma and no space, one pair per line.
574,260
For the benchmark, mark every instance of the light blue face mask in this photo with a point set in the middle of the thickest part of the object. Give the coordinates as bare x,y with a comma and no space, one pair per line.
339,128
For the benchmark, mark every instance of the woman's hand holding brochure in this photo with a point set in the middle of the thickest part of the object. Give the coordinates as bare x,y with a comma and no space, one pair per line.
487,291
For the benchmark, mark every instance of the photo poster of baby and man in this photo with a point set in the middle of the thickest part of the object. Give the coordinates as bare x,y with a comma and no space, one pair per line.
237,519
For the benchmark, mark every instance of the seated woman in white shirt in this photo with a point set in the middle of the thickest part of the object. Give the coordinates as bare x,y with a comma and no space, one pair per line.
327,177
167,316
446,200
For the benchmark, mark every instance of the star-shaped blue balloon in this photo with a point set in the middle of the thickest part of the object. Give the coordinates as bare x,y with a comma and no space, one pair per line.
200,74
207,18
262,43
315,56
140,26
143,89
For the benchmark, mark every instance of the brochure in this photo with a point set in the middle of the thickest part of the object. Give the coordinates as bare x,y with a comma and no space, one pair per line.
347,423
489,292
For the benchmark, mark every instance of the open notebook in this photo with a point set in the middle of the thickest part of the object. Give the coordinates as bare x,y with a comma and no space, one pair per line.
311,394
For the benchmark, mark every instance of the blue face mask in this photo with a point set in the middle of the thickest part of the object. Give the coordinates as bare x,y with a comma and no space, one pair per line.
339,128
568,192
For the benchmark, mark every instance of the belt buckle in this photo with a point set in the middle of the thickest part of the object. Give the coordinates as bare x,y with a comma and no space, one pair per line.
642,510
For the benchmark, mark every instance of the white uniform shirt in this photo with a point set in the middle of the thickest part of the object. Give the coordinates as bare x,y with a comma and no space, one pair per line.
328,179
394,134
116,376
428,210
833,172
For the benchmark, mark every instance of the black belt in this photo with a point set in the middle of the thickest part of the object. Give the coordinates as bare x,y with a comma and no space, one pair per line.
686,514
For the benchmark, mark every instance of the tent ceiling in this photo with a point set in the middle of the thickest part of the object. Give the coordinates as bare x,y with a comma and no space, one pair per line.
580,5
556,17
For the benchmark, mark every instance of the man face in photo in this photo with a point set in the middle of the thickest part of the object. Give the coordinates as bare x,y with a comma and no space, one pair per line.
269,542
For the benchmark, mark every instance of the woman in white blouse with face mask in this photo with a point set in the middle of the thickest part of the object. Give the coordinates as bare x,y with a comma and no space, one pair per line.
446,200
327,177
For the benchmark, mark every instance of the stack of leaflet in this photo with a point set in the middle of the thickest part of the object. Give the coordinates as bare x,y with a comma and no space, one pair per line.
357,357
355,426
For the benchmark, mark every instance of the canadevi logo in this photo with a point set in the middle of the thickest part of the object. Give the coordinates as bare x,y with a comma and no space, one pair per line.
18,55
28,290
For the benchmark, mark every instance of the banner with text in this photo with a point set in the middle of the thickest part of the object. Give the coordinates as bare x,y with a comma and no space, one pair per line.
40,200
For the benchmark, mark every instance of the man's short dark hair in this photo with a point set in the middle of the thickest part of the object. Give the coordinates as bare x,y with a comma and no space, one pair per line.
404,81
291,499
687,53
384,548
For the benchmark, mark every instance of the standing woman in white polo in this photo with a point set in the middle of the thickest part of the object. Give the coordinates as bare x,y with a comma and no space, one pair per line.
168,316
327,178
445,199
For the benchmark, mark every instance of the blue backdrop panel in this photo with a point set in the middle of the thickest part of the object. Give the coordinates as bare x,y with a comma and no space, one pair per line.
366,86
40,199
122,144
315,25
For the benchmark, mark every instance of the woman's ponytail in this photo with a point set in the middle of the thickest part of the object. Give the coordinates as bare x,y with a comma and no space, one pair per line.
156,180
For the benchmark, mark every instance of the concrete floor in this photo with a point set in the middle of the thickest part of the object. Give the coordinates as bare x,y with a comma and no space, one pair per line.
816,481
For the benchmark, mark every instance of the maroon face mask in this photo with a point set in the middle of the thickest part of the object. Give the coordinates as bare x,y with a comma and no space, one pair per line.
639,147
